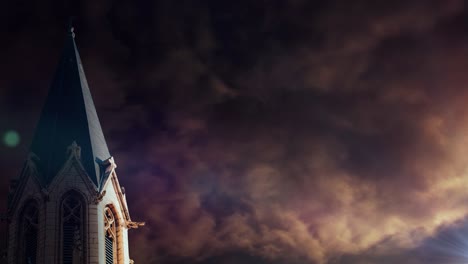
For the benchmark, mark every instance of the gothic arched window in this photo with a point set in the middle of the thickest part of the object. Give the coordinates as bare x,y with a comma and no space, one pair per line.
111,236
72,229
28,233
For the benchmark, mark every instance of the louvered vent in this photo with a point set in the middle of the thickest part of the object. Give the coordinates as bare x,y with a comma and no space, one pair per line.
68,230
28,235
109,250
30,246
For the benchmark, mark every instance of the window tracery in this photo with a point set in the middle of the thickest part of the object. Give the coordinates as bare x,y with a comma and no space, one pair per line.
110,227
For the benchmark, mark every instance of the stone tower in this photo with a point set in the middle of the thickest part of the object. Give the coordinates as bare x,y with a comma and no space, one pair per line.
67,205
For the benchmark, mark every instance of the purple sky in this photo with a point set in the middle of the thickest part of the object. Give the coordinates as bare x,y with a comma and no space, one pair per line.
298,132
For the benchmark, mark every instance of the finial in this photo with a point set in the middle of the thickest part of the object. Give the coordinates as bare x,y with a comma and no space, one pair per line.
74,150
71,29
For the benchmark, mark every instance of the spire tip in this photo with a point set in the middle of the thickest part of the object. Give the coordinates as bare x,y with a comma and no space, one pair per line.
71,29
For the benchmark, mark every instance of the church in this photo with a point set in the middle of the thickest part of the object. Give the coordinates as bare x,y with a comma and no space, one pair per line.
67,205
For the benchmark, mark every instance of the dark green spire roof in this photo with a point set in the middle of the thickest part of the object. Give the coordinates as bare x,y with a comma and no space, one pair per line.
69,115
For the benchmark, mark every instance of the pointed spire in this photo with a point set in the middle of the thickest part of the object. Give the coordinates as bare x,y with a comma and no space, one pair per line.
69,116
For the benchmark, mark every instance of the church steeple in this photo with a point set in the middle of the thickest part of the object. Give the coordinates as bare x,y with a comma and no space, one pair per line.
69,116
67,205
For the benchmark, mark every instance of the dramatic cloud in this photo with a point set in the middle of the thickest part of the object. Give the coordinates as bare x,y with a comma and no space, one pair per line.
270,132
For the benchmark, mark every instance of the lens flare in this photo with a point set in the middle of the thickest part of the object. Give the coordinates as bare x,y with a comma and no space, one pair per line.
11,139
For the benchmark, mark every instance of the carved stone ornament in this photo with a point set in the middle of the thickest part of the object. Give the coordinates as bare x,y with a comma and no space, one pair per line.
135,225
74,150
99,197
109,164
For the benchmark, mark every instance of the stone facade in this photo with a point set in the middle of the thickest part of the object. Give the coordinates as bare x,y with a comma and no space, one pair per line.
72,177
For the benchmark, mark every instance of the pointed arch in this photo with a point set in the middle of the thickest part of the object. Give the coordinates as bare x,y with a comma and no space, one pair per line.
113,236
73,228
28,231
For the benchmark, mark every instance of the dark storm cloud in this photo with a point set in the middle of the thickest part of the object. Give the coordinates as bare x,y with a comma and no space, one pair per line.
274,131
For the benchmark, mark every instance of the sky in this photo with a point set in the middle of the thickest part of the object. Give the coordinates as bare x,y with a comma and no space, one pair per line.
264,131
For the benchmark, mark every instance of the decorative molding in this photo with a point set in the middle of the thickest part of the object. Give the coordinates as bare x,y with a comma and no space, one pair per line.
108,169
134,225
73,163
99,197
18,185
109,165
121,197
